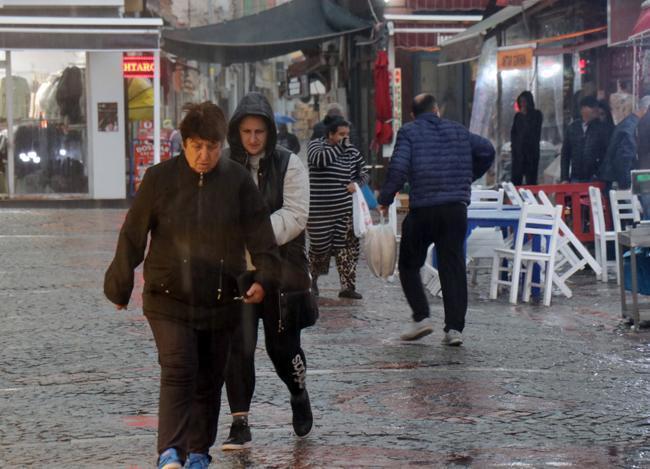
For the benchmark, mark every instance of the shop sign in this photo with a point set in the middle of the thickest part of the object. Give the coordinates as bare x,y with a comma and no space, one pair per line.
138,67
294,86
142,159
515,59
397,100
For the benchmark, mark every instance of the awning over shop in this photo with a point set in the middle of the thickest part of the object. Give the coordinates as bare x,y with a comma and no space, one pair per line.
78,33
467,45
295,25
642,26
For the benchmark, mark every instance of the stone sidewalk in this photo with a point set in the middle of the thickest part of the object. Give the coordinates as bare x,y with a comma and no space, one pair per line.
565,386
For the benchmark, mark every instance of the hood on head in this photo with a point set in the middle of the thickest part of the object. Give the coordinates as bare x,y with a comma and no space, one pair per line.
253,104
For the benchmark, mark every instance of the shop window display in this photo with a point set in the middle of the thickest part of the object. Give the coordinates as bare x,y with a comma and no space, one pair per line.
50,134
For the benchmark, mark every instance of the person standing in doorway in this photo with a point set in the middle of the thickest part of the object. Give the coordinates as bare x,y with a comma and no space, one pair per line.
525,136
284,184
202,213
439,159
335,165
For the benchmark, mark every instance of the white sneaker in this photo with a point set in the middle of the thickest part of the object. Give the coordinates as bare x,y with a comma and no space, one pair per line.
417,330
453,338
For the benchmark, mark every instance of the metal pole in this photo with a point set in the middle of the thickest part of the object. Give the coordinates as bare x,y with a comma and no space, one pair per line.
156,106
9,91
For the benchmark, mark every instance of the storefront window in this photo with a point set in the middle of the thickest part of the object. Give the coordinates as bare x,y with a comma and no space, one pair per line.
550,100
49,119
4,189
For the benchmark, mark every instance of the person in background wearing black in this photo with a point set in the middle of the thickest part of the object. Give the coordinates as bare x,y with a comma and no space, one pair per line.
584,145
605,116
525,136
287,139
202,214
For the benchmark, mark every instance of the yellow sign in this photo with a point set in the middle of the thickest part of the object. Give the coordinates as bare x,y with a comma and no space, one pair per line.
515,59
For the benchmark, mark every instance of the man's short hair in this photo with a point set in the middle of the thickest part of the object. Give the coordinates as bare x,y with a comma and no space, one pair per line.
644,103
589,101
205,121
423,103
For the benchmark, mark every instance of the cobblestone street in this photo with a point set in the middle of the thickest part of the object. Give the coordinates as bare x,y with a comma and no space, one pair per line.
565,386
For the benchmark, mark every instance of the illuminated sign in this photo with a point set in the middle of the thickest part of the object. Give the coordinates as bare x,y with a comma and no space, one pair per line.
138,67
515,59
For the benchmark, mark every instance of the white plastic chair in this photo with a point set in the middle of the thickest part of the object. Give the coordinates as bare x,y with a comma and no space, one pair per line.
487,198
601,235
481,244
429,274
625,208
527,196
535,220
513,195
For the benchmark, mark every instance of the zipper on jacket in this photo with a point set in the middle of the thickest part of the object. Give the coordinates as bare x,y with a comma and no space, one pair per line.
220,281
200,179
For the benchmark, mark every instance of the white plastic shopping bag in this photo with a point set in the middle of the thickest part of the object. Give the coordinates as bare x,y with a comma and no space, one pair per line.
361,218
380,246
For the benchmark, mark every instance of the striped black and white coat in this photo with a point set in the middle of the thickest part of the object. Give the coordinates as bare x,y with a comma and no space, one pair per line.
331,169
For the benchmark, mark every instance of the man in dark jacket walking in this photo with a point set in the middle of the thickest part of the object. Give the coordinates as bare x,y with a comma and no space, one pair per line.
202,213
440,159
284,183
584,146
621,156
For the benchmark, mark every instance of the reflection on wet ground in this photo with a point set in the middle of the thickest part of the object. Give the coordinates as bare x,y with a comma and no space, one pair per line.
565,386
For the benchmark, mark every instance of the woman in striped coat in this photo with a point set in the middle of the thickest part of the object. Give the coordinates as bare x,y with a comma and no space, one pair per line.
334,165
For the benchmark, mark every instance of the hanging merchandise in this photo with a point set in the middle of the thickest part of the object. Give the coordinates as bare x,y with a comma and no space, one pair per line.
22,97
383,108
68,94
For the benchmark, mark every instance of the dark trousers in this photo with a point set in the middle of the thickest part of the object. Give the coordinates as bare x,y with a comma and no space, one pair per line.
446,226
283,348
527,169
192,364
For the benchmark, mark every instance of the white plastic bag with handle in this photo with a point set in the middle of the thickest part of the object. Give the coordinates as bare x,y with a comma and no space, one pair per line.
361,218
380,246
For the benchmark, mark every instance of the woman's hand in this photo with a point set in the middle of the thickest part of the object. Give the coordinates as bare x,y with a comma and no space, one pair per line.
350,187
255,294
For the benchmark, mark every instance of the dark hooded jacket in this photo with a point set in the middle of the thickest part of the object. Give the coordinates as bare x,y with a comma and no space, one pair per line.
200,227
273,167
525,135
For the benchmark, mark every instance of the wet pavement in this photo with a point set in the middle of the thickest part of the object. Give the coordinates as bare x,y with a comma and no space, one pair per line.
565,386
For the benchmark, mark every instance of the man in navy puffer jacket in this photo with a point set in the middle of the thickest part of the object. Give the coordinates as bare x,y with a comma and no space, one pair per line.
440,159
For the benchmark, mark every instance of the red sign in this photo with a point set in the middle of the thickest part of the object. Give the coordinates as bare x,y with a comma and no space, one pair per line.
138,67
142,159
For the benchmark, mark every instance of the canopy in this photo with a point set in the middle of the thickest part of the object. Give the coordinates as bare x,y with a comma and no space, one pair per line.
467,45
295,25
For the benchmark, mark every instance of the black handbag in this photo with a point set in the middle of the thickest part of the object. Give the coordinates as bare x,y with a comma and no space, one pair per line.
297,309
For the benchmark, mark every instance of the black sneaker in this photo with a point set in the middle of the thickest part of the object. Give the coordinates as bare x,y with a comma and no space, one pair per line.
302,417
239,437
347,293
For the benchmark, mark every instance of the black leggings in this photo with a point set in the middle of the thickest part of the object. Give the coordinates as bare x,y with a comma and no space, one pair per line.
192,364
283,347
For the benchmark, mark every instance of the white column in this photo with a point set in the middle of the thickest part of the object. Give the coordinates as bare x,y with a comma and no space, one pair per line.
9,102
156,106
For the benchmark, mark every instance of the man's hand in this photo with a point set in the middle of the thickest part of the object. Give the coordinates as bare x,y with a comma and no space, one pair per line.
120,307
383,210
255,294
350,187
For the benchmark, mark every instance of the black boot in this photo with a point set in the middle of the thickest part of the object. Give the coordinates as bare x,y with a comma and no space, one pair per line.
240,434
302,416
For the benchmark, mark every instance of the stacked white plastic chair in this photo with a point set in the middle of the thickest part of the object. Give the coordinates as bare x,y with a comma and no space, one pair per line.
535,220
513,195
601,235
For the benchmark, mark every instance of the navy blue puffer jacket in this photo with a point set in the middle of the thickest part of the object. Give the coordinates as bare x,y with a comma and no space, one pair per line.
439,158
